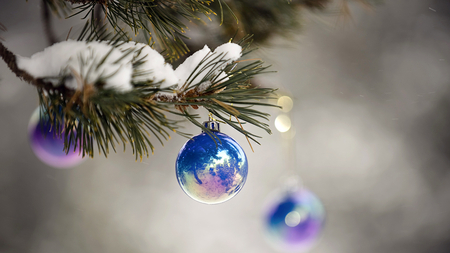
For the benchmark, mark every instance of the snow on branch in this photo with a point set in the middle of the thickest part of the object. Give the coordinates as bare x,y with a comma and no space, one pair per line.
205,63
112,92
98,61
120,66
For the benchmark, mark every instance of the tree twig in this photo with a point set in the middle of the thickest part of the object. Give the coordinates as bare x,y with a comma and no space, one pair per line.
11,60
91,114
47,22
98,16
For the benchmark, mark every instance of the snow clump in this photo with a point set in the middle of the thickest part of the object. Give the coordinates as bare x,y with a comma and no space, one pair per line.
88,60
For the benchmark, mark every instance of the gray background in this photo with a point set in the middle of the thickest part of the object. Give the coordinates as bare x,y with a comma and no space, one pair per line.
371,118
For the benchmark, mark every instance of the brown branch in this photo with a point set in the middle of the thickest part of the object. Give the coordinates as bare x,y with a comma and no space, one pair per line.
99,17
11,60
193,95
179,99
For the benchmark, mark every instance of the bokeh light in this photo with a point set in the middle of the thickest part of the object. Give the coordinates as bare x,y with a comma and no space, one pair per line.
47,144
286,103
211,171
283,123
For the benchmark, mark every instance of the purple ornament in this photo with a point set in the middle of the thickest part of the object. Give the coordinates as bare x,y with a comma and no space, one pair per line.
48,144
294,220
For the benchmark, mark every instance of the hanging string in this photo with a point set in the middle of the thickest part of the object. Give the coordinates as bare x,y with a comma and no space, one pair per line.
285,118
211,118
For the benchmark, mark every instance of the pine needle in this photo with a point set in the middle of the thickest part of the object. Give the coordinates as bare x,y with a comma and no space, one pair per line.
245,135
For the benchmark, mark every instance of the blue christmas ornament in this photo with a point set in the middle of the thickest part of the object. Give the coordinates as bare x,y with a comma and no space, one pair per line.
294,220
211,171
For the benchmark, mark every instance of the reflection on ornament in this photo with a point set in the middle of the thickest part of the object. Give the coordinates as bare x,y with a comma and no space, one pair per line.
294,220
46,143
211,171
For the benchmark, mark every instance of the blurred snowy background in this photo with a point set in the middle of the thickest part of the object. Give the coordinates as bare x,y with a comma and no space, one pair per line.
371,116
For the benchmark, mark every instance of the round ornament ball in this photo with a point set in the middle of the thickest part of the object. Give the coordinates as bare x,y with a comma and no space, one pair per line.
211,171
47,143
294,220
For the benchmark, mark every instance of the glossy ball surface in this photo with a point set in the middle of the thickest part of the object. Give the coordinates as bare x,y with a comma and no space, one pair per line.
294,220
47,144
211,173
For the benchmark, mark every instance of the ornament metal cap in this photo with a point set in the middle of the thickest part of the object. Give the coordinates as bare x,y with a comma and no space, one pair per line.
212,125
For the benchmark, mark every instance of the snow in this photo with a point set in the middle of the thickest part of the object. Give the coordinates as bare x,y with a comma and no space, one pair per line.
231,51
155,66
73,59
218,60
203,86
187,67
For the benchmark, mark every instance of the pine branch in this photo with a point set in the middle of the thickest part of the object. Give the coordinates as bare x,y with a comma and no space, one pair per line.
10,59
165,22
100,111
159,20
262,19
94,116
58,7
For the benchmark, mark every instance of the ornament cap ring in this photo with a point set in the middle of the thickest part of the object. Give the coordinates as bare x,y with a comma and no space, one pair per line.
212,125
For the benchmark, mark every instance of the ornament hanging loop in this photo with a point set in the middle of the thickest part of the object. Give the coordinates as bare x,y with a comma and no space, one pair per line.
212,125
211,118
